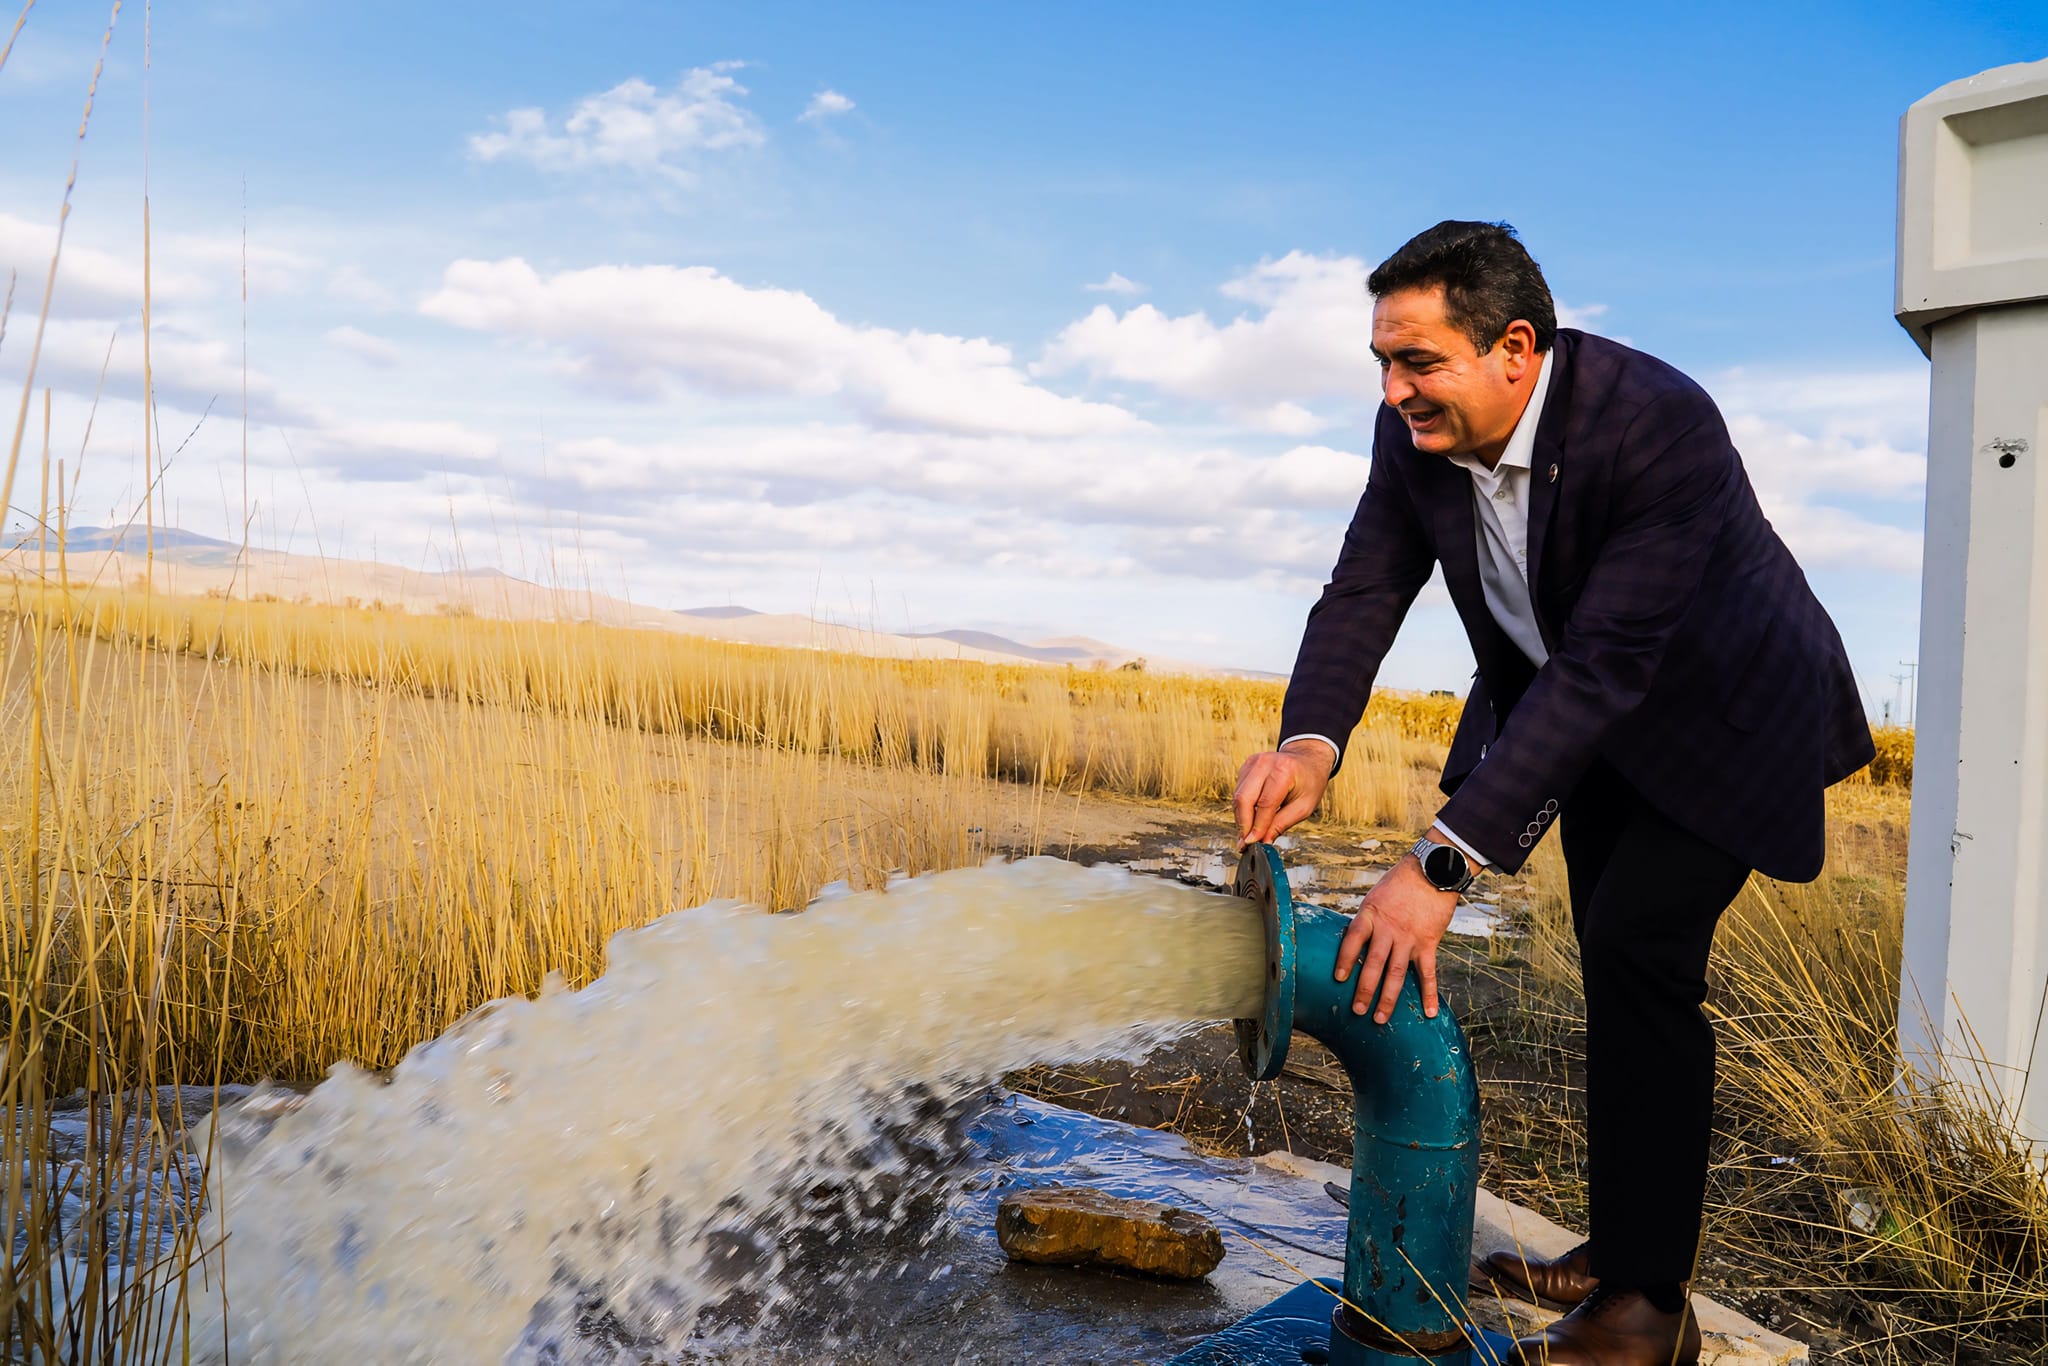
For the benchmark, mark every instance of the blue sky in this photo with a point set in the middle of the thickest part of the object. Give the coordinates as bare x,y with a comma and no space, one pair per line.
1039,319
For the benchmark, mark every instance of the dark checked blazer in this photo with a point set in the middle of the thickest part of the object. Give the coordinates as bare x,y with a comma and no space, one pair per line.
1686,649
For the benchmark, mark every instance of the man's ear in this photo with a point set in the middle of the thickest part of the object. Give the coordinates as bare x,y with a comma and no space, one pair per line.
1518,349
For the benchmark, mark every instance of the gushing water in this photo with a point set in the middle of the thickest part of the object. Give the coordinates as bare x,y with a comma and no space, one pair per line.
556,1179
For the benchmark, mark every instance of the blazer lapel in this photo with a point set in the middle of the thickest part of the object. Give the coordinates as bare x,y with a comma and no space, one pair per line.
1548,474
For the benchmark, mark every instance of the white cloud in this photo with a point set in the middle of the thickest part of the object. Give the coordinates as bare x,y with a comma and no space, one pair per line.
1309,337
632,127
363,346
826,104
654,329
271,270
1313,476
1284,419
1115,284
95,282
352,284
1819,447
396,450
1784,460
1831,536
91,282
811,446
1125,499
952,422
187,368
1858,405
1306,335
1583,316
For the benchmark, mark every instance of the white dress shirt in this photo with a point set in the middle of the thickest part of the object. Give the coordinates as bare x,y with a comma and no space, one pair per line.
1500,510
1500,500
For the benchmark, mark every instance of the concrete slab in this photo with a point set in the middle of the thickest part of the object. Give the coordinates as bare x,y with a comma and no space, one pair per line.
1729,1338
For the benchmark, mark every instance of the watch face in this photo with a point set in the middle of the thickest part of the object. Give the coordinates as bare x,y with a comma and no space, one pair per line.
1445,867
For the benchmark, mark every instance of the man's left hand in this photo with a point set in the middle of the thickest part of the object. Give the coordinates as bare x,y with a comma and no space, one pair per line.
1401,923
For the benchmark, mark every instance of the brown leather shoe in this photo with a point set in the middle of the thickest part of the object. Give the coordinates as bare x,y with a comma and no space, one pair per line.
1614,1328
1560,1282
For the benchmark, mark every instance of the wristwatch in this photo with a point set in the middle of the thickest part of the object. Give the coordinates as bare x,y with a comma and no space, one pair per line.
1445,865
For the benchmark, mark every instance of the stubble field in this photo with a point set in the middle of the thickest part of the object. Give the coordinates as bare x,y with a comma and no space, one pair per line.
249,839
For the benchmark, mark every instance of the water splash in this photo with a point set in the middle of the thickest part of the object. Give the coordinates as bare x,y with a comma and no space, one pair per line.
609,1174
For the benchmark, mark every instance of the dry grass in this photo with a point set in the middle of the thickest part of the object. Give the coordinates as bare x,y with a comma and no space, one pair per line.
243,839
1893,766
1167,737
251,838
381,859
213,869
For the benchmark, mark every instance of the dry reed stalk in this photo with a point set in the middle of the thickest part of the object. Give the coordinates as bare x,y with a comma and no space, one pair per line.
248,838
214,868
1171,738
1373,787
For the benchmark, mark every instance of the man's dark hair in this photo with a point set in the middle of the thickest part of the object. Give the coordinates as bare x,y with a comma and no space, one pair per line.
1488,278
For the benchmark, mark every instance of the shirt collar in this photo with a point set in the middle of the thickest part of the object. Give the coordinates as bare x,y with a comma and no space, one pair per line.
1521,448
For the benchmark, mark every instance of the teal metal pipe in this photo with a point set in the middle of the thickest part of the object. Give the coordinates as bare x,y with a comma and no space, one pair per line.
1415,1157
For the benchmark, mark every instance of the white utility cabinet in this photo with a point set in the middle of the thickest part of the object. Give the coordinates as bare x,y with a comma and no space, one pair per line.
1973,291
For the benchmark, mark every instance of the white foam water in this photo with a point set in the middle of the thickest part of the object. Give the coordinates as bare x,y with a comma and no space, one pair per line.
566,1178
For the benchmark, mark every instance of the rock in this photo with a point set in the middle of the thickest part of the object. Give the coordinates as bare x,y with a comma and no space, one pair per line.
1077,1226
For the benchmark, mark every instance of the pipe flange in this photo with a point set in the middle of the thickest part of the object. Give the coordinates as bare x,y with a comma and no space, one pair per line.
1262,1043
1346,1322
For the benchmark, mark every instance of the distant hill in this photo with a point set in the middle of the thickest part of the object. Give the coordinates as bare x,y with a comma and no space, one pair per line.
718,613
187,563
1084,647
135,539
167,543
989,640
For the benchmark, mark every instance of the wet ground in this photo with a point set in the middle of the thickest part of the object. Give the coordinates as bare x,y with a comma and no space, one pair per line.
957,1298
1176,1126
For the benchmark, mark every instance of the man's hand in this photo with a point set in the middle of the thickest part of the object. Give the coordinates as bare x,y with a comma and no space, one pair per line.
1277,790
1402,921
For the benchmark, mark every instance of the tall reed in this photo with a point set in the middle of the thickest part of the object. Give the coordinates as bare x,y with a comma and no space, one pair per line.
1176,738
214,869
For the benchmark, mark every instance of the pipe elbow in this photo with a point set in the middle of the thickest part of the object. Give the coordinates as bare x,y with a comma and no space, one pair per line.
1412,1076
1415,1155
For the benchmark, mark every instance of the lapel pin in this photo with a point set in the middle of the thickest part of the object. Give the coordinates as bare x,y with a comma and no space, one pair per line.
1553,474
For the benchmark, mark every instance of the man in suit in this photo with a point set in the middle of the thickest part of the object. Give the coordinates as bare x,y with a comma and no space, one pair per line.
1655,677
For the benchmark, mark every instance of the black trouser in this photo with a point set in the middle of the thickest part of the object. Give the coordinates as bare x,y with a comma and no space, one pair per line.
1646,896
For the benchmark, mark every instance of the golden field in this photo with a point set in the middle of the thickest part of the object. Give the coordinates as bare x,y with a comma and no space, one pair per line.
241,839
246,839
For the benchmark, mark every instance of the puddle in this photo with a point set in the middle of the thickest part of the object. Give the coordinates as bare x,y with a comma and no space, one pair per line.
1214,865
946,1293
1335,886
1476,920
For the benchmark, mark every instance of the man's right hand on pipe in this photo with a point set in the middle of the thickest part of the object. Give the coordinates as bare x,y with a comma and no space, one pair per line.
1279,789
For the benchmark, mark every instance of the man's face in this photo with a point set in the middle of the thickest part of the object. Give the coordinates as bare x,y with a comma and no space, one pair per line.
1454,400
